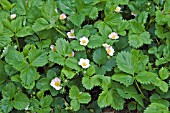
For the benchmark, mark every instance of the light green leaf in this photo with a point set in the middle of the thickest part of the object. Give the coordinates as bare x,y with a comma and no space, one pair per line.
93,13
72,63
37,57
143,17
113,19
74,92
68,73
25,31
163,73
124,62
75,104
77,19
123,78
5,4
75,45
21,101
21,7
40,24
4,40
105,99
156,108
122,2
88,82
90,71
100,56
95,41
84,98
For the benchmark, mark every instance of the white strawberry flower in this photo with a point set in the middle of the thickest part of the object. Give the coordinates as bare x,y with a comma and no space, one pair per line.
118,9
132,13
56,83
53,48
110,51
105,45
113,35
84,41
63,16
85,63
13,16
71,34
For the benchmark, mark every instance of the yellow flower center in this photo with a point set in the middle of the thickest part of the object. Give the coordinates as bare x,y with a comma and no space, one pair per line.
71,34
108,51
117,9
62,17
57,83
84,64
83,41
113,36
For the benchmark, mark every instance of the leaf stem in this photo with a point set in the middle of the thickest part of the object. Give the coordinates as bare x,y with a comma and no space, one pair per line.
17,43
60,32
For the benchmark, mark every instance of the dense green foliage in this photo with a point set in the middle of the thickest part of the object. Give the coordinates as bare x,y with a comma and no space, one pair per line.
64,56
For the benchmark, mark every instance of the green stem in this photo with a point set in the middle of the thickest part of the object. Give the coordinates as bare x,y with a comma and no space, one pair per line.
17,43
60,32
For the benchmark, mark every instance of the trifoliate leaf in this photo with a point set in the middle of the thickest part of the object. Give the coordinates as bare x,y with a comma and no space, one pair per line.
100,56
25,31
56,58
21,101
84,98
6,105
75,45
75,104
46,101
9,91
123,78
124,62
72,63
95,41
74,92
68,73
37,57
40,24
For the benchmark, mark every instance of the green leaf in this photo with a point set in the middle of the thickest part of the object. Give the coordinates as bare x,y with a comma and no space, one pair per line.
123,78
63,47
122,2
137,41
100,56
75,104
136,27
9,91
109,64
16,59
6,105
40,24
66,7
37,57
68,73
75,45
5,4
46,101
143,17
72,63
88,82
95,41
163,73
156,108
90,71
56,58
124,62
32,17
21,101
132,105
77,19
29,75
21,7
102,25
4,40
84,98
43,84
74,92
25,31
93,13
3,75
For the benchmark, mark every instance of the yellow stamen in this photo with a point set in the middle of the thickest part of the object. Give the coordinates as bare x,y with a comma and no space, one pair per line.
83,41
108,51
84,64
57,83
113,36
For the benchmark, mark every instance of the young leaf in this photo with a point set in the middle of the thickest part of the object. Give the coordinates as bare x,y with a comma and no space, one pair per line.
37,57
84,98
163,73
75,104
123,78
88,82
21,101
100,56
124,62
74,92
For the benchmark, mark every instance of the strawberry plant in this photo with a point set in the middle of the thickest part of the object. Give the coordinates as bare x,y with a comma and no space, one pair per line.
84,56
